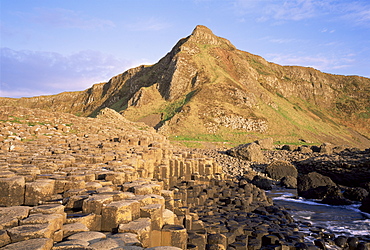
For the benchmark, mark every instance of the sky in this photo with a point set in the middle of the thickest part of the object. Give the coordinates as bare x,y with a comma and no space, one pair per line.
48,47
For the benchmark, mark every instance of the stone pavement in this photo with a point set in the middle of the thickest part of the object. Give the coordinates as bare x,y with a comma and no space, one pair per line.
68,182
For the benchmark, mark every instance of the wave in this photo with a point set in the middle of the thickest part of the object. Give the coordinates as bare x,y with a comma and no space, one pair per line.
340,220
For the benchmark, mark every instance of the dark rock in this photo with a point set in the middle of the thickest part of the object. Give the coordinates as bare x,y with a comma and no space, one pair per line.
254,243
262,182
341,241
366,185
336,200
355,194
348,168
304,246
320,244
311,181
289,182
362,246
279,169
315,149
365,206
289,147
270,240
352,243
321,192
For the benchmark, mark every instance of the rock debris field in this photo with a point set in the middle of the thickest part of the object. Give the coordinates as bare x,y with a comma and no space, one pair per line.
68,182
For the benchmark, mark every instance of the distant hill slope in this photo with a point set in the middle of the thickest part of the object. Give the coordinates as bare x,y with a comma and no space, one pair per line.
206,89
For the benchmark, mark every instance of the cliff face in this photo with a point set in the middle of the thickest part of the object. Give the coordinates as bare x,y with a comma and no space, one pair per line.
204,86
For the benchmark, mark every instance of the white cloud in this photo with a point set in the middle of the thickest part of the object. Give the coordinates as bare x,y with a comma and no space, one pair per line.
353,12
150,24
357,13
279,10
34,72
64,18
320,62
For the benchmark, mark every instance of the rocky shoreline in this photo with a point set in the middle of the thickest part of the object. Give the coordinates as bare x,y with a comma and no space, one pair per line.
105,183
313,166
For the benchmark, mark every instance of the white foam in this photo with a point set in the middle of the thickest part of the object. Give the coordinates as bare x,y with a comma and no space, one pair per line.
325,217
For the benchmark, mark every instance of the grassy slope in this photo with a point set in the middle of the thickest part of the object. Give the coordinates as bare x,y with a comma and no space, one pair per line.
292,120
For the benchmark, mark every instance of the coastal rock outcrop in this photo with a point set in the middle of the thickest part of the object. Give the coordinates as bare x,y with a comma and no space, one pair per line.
316,186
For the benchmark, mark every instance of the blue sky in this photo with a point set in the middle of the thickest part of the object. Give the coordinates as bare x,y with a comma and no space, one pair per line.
48,47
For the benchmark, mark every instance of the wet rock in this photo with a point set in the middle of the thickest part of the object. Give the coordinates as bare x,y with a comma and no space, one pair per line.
336,200
314,185
320,244
355,194
365,206
341,241
352,243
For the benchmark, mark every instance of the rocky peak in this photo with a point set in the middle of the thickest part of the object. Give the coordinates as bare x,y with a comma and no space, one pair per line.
201,31
203,35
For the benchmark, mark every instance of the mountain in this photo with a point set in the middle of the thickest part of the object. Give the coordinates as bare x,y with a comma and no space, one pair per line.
206,89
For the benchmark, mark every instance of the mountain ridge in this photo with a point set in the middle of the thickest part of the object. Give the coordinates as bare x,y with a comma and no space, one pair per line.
205,85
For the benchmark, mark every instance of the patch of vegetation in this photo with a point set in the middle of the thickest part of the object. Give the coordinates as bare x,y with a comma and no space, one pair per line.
118,106
322,116
22,120
189,144
297,143
259,67
198,137
31,124
26,140
171,109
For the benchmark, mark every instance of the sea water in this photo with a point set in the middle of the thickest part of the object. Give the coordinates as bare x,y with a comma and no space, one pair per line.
340,220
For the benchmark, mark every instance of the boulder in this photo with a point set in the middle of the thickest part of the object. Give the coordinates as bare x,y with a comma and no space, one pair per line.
262,182
356,194
267,143
280,169
321,192
314,185
249,152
